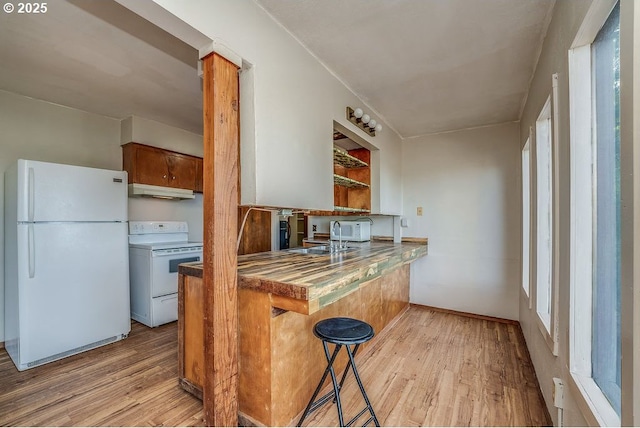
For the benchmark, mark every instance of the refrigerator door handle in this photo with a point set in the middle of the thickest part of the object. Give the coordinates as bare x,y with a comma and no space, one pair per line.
32,252
32,194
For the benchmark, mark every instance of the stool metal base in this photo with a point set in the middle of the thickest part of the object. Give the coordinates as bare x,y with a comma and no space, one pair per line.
335,394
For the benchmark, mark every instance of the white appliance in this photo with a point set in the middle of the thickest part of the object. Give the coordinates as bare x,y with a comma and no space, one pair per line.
156,248
355,231
66,264
138,189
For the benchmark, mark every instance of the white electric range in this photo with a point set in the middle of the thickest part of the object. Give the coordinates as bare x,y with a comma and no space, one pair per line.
156,248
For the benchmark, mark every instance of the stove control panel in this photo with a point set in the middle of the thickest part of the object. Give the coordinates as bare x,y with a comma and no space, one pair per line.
170,251
149,227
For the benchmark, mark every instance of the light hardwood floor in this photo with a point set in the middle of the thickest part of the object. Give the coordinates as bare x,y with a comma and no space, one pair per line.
430,368
438,368
133,382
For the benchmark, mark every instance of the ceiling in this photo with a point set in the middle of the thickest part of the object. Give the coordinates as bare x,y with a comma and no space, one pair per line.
100,57
424,65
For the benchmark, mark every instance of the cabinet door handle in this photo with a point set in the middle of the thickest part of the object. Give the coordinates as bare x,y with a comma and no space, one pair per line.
164,176
174,177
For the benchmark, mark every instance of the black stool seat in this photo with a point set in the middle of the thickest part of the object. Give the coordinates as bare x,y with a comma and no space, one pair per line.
341,332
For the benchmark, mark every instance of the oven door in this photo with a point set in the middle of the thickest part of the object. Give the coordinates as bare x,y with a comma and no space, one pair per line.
164,268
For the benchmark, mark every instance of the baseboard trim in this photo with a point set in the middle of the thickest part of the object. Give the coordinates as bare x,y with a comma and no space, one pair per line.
468,314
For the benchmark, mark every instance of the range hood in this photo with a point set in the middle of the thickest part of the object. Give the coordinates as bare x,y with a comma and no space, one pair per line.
137,189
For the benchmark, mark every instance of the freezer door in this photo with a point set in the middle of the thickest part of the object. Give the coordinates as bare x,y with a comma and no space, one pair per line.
74,290
55,192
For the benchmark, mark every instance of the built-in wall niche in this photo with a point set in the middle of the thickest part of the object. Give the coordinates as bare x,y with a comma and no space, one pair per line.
351,176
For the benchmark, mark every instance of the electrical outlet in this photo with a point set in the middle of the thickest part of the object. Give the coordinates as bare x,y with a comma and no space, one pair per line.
419,211
315,227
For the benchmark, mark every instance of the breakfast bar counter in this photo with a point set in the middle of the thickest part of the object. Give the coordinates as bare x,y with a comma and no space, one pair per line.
281,295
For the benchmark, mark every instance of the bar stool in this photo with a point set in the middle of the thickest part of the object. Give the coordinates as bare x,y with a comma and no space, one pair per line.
341,332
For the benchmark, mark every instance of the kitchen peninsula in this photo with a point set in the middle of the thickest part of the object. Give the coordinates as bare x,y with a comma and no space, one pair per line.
282,294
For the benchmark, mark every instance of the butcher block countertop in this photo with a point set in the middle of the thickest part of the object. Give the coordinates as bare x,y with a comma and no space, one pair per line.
306,283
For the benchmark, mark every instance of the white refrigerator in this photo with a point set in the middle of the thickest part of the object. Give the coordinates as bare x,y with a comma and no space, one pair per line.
66,260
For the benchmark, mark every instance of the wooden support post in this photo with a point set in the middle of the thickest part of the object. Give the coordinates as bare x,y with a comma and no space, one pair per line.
221,141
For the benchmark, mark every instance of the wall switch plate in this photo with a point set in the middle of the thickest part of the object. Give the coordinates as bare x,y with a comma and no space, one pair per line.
419,211
558,393
404,222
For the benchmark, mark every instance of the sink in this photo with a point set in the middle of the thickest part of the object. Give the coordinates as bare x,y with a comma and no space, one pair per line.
308,251
319,250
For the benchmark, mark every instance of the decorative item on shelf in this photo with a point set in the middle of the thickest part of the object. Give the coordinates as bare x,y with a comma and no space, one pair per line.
363,121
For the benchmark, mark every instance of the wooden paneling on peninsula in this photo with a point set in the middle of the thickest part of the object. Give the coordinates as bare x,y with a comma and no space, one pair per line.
161,167
281,296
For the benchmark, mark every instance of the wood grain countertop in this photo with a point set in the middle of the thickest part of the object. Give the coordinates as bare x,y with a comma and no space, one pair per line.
306,283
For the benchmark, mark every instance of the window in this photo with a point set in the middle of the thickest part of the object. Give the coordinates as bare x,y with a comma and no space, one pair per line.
605,354
526,214
595,346
544,210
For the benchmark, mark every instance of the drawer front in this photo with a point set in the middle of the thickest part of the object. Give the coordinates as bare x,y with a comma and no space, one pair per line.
164,309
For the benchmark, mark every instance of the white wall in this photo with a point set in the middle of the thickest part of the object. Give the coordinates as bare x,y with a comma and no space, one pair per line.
565,23
567,17
630,152
152,133
468,184
141,209
382,225
295,102
34,129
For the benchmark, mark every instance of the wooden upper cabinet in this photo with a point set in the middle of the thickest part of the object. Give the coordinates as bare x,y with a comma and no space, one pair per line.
150,167
199,174
182,171
160,167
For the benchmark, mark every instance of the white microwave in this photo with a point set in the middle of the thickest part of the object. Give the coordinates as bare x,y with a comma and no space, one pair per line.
355,231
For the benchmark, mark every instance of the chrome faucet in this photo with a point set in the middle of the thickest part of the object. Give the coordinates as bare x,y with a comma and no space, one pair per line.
339,233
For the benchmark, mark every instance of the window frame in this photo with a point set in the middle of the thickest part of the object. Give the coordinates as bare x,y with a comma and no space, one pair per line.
544,193
550,332
590,399
526,217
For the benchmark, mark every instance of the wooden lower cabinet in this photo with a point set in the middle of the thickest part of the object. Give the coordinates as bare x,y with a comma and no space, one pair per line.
191,333
281,361
256,236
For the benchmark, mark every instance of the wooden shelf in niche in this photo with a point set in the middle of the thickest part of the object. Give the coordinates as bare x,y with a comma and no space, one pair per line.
352,186
349,182
350,210
346,160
